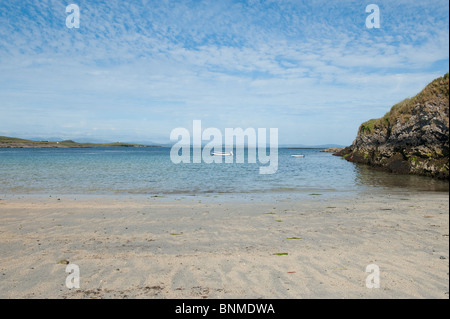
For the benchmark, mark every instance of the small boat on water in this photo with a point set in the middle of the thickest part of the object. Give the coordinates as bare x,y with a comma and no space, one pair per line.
300,156
222,154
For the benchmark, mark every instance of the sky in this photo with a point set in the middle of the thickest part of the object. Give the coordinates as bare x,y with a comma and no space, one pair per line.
135,70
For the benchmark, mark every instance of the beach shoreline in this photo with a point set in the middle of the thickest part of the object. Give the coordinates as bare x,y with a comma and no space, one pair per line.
197,247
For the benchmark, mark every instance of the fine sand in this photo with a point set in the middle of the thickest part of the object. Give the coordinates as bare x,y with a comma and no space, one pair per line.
192,247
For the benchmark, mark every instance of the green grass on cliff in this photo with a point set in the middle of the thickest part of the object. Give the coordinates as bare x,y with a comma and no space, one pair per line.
437,90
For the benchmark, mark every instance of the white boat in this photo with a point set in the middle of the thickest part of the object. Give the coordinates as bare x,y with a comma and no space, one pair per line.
222,154
298,155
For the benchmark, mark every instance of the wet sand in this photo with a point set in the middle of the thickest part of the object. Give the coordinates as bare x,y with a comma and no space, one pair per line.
138,247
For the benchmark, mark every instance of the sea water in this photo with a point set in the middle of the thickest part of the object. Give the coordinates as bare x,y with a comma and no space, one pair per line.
150,171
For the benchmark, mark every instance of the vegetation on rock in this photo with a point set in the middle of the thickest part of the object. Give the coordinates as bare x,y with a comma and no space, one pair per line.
413,137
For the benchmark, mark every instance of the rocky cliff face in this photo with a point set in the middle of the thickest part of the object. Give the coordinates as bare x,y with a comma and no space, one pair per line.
412,138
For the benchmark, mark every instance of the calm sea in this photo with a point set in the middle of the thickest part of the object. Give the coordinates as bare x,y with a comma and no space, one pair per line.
149,171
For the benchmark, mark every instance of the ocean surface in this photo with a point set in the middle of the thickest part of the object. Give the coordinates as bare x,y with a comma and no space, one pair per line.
150,171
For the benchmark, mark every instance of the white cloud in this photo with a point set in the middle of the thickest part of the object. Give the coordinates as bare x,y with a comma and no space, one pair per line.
231,63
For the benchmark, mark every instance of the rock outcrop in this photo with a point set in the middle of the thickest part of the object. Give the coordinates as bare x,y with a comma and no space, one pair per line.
412,138
331,150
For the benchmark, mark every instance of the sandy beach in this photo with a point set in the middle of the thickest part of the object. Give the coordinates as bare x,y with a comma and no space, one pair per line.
193,247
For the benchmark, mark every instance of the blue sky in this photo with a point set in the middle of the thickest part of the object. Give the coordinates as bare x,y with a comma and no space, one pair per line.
135,70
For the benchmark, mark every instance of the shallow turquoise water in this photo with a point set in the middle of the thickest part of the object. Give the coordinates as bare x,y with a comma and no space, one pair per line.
149,171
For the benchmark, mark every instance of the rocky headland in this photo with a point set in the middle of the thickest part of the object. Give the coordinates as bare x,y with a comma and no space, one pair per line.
412,138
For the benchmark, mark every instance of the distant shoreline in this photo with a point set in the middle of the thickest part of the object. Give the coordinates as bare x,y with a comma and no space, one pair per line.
4,145
12,142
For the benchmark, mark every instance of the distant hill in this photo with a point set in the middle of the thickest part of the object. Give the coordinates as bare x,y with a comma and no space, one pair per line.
12,142
412,138
293,146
